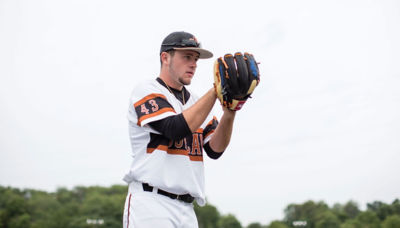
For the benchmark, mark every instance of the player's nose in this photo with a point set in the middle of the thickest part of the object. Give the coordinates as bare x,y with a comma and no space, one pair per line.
193,64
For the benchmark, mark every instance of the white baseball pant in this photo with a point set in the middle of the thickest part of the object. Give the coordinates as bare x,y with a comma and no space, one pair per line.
151,210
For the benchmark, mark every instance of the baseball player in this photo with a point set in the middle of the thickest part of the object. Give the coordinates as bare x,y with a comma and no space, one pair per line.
170,128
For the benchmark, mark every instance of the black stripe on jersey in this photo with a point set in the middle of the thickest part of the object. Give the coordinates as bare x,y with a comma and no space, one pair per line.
152,105
191,146
157,140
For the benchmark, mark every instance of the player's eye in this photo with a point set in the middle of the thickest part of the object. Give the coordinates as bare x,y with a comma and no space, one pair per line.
190,58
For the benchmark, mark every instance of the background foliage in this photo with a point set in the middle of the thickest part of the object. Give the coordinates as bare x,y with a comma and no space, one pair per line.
83,207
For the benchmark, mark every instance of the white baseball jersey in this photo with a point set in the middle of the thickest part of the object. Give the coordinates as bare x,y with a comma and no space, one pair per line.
175,166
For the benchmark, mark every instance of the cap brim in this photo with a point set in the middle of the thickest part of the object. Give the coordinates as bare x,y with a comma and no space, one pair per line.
203,53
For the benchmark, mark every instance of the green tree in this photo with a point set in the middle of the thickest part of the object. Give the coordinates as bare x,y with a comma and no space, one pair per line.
20,221
277,224
396,207
351,209
71,208
392,221
344,212
207,216
255,225
352,223
339,212
328,220
42,205
368,219
78,222
229,221
381,209
103,203
64,196
308,211
13,207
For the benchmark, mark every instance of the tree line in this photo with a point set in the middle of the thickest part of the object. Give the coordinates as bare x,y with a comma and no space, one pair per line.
95,206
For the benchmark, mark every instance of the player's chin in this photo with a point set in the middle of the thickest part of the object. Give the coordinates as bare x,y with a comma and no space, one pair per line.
186,80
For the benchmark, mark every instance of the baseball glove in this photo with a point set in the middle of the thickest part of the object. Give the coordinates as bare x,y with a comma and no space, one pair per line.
235,78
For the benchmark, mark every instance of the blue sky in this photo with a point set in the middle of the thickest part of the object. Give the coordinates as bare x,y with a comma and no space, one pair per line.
323,124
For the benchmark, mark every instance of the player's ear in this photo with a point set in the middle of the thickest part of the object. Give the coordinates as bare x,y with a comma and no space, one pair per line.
165,57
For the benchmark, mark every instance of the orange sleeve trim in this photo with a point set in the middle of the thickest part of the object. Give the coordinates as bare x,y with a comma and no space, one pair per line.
159,112
148,97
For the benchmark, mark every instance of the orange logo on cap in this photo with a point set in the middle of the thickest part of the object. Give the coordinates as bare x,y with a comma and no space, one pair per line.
194,38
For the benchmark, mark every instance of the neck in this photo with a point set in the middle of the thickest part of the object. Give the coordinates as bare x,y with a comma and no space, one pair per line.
173,90
171,83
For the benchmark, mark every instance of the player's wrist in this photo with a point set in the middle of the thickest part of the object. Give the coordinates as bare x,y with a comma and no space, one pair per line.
229,112
213,93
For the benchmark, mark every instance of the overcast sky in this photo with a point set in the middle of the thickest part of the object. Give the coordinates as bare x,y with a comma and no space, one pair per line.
324,123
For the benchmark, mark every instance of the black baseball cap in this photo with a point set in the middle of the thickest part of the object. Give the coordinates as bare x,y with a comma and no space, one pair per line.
184,41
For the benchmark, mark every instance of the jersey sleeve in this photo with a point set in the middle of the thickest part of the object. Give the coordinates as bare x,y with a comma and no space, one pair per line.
173,127
151,108
148,104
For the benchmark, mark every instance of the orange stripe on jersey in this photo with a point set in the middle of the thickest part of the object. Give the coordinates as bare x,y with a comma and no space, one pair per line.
149,97
160,147
159,112
196,158
175,152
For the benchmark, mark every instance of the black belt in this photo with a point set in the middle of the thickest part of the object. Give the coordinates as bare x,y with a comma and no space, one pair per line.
185,198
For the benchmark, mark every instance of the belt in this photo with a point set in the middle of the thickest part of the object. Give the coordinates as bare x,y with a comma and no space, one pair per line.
187,198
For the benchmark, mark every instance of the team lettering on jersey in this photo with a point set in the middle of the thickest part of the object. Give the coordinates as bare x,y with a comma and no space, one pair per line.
191,146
